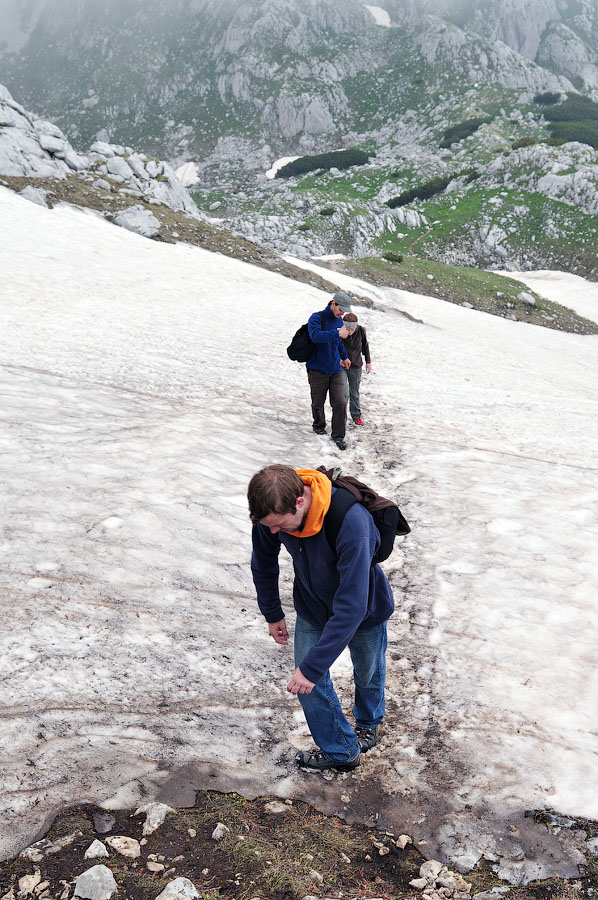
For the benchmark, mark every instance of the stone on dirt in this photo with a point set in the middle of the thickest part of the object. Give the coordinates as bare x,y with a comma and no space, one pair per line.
96,850
96,884
28,883
276,807
179,889
103,822
126,846
219,831
430,870
155,813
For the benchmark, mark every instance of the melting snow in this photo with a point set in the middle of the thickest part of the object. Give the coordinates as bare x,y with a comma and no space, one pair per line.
142,385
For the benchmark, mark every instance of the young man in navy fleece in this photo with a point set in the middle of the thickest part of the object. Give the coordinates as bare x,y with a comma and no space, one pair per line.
340,599
325,367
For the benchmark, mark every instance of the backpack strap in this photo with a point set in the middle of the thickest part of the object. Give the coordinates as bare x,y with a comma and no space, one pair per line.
341,503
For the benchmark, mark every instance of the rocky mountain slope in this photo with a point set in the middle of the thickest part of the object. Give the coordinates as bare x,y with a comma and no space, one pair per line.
145,195
231,87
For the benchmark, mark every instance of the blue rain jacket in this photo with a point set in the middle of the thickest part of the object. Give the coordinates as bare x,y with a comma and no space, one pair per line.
338,593
330,349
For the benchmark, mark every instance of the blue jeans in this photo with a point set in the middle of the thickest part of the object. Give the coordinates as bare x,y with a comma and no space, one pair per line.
352,382
327,723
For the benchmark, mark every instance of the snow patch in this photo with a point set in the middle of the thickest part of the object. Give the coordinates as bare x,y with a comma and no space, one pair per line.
380,15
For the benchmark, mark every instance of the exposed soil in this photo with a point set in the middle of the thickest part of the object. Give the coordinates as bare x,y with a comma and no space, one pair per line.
279,854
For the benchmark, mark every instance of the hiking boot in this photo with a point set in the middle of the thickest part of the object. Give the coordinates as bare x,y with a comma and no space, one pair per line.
341,444
315,761
358,421
319,430
367,737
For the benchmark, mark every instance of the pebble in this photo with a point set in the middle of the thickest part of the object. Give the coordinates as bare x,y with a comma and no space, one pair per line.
403,840
430,869
95,850
276,808
219,831
152,866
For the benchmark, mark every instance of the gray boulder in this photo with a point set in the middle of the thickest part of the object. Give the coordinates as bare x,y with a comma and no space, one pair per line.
139,220
116,165
36,195
526,298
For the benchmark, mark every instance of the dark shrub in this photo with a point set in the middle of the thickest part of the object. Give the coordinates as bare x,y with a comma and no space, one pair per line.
305,226
341,159
584,132
422,192
547,99
524,142
458,132
392,257
574,109
327,211
469,175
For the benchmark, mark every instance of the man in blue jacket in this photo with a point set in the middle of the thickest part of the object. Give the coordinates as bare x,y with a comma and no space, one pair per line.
325,366
340,599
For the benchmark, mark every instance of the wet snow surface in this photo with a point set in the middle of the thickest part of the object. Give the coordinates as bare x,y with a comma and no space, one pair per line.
142,385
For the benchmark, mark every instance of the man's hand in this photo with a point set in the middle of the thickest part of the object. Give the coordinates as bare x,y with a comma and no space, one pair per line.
346,363
343,332
279,632
299,684
368,368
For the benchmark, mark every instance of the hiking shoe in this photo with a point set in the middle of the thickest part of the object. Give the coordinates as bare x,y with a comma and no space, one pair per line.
367,737
341,444
315,761
358,421
319,431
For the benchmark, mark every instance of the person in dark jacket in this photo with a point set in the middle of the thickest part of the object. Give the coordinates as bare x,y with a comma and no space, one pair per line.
341,600
325,367
355,345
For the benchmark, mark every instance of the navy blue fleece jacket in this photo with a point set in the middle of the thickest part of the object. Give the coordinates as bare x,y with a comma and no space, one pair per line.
336,592
329,349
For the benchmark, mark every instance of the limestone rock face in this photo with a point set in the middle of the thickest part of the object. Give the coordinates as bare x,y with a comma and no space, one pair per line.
34,148
564,50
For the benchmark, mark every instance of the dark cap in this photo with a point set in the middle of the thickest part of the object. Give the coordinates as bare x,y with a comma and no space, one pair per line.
343,300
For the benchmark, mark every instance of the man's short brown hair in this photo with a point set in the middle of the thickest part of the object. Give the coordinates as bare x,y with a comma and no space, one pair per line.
274,489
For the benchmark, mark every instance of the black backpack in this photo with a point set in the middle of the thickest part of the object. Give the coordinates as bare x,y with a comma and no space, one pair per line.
388,518
302,346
